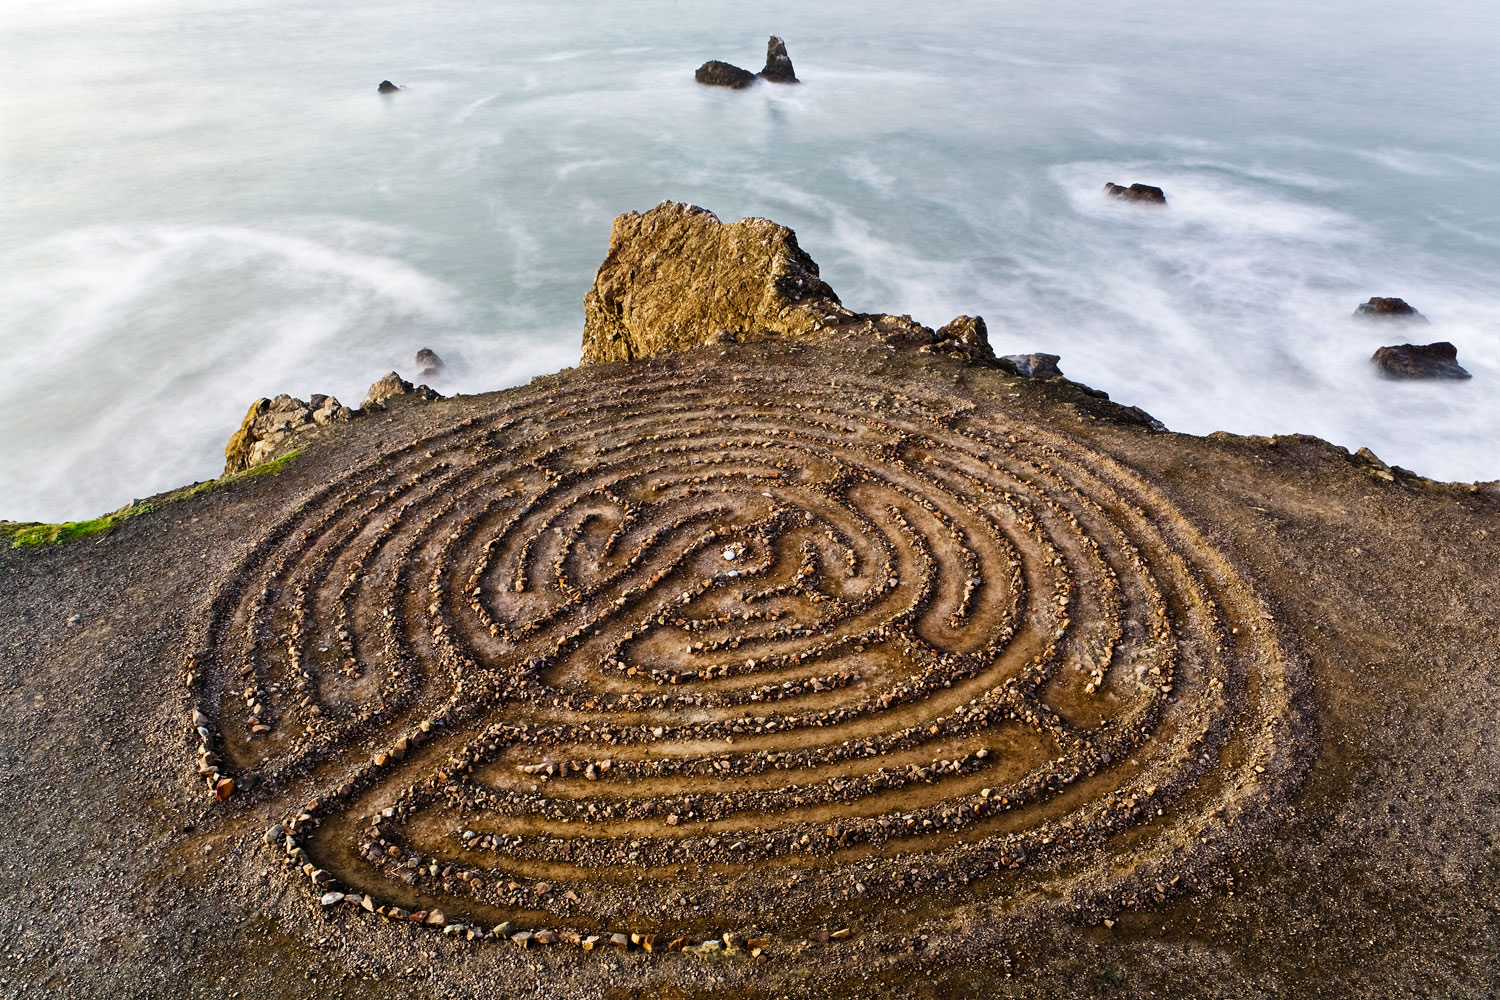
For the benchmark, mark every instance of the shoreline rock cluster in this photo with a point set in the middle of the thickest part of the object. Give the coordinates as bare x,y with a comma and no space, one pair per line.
275,427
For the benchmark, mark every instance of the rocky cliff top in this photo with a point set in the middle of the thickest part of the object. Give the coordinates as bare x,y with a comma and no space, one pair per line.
841,662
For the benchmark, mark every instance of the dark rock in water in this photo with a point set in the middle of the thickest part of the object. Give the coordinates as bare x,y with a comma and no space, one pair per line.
387,87
1137,192
722,74
1379,308
430,362
1035,365
778,63
1439,360
391,386
965,334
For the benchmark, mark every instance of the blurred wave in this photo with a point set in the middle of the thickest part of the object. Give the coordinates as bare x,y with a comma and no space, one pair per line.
208,202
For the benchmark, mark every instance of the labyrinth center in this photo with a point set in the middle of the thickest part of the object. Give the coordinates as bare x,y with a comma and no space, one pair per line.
676,649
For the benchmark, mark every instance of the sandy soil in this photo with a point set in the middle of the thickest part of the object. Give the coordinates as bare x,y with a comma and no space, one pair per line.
1232,699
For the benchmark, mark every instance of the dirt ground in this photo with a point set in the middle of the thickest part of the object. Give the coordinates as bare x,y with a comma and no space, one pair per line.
1359,861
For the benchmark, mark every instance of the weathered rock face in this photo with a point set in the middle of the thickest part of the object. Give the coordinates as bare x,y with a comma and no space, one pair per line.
1391,308
722,74
274,427
1439,360
387,87
392,385
1137,192
677,278
778,63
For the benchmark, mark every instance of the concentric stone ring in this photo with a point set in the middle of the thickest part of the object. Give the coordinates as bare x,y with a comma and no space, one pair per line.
677,649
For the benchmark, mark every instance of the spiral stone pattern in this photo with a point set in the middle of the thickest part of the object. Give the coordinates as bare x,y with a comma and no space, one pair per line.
670,650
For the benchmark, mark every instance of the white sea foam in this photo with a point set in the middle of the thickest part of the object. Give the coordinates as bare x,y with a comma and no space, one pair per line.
207,202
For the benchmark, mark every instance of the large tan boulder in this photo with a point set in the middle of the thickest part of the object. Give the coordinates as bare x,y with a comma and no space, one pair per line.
676,278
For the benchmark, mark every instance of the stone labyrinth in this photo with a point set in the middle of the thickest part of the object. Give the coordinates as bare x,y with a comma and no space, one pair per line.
677,649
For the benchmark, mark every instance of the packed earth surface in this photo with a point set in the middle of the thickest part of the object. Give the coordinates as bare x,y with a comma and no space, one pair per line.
788,667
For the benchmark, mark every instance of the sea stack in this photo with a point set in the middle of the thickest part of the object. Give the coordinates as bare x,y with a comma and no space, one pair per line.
429,362
387,87
778,63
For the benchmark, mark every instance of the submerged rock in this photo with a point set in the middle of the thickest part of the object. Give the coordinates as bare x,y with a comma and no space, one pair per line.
429,362
274,427
1034,365
387,87
1137,192
778,63
722,74
1439,360
1391,308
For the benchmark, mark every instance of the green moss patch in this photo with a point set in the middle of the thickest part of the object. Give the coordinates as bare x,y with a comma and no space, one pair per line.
24,534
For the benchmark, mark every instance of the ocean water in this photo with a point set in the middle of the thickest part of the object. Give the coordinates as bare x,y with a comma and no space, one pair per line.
206,201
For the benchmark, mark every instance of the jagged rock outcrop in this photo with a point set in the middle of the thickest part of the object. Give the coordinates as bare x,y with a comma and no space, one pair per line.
722,74
966,335
273,427
387,87
778,63
1439,360
1388,308
1145,193
676,278
392,385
